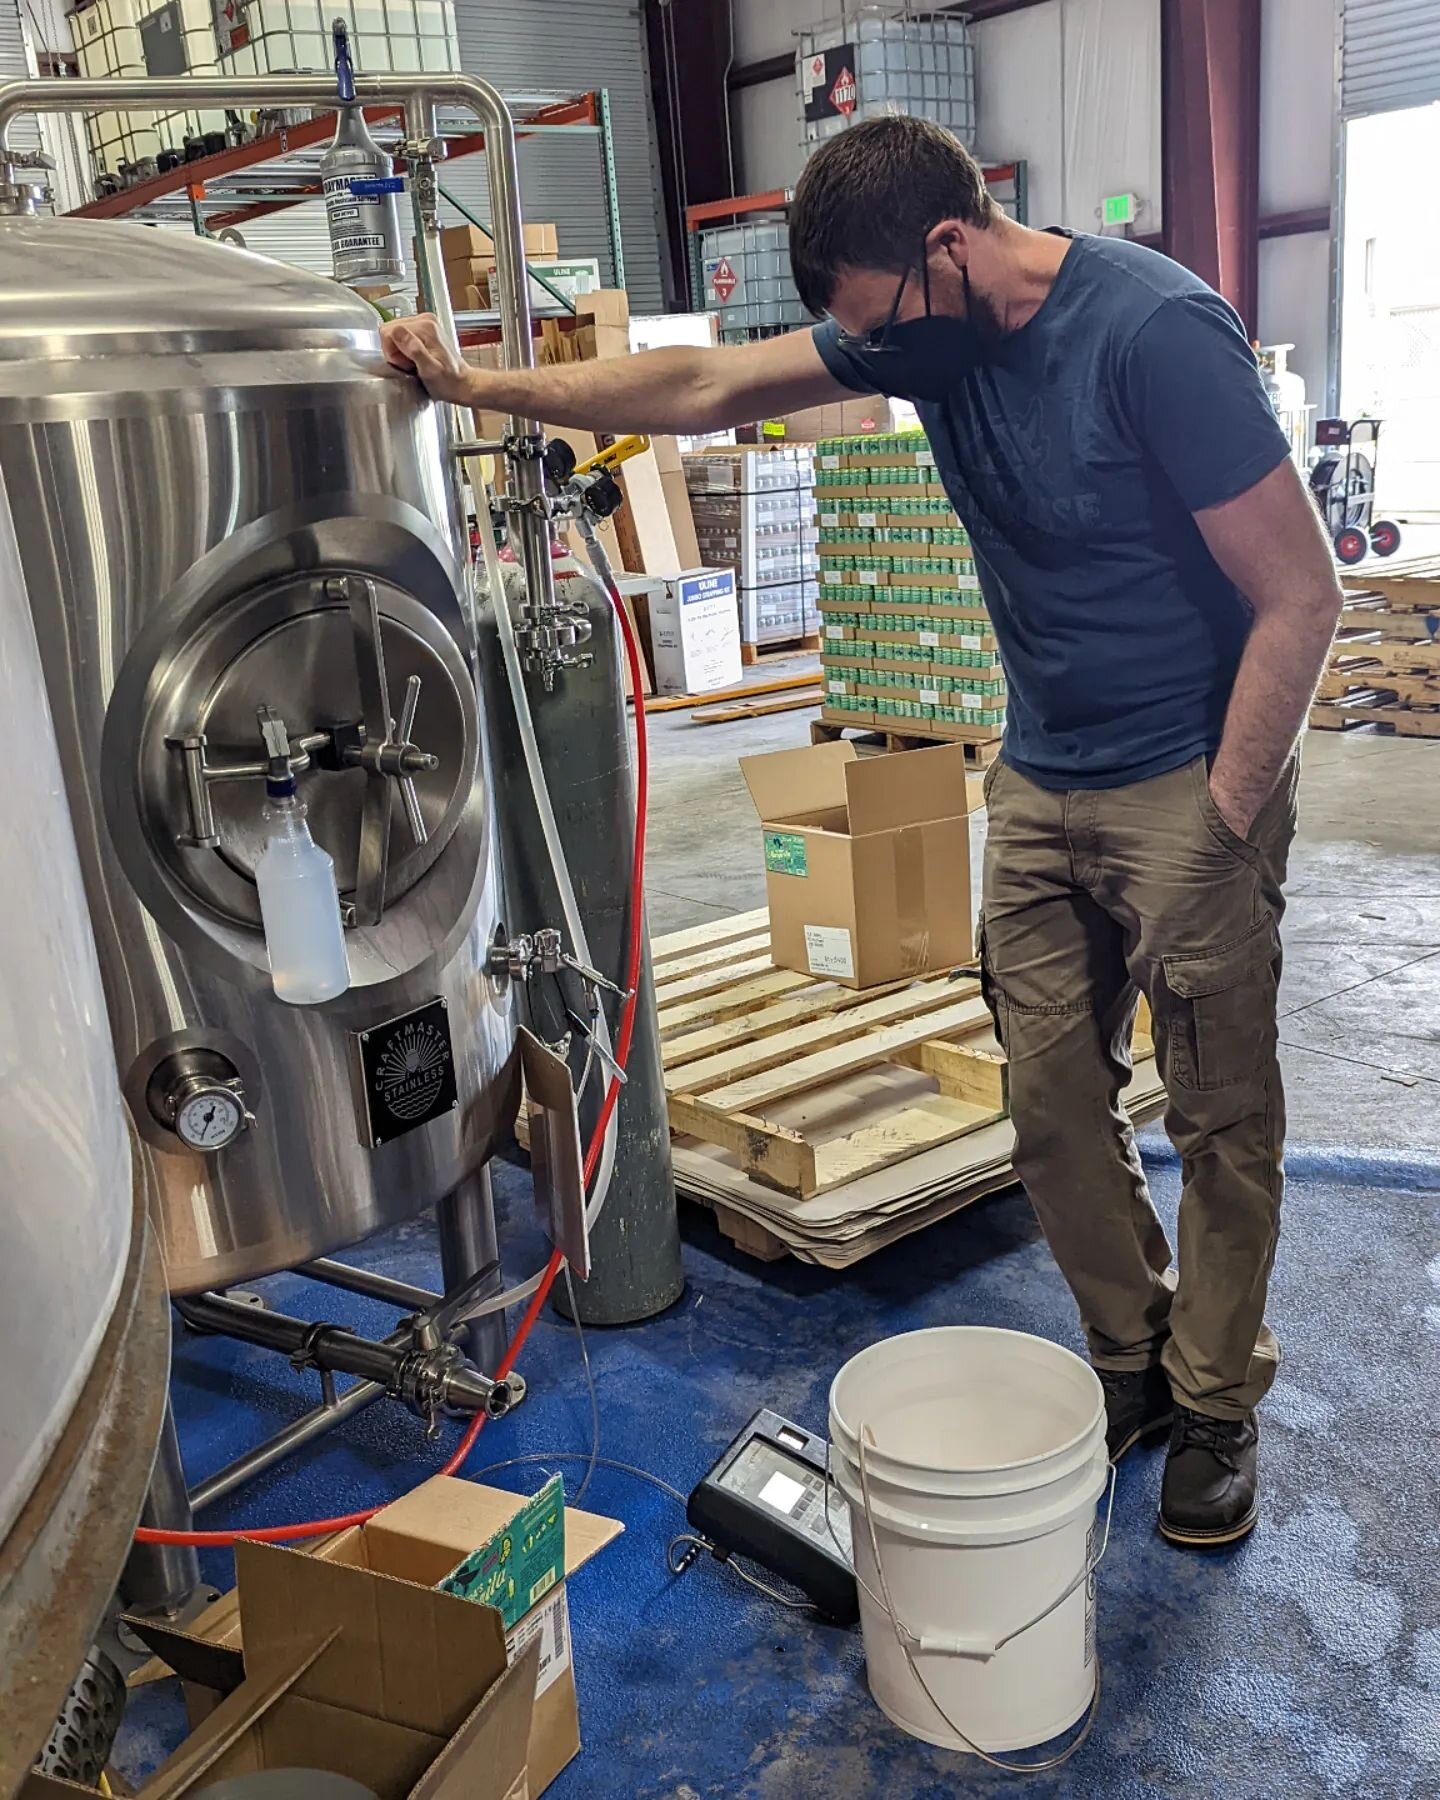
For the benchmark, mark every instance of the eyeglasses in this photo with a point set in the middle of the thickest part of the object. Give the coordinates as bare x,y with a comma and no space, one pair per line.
877,337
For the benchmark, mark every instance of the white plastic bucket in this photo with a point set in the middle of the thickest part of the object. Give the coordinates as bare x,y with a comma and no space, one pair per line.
983,1455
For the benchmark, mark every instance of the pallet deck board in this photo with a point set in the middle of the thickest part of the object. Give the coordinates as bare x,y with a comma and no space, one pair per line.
718,1005
710,956
846,1058
665,949
755,1055
776,1015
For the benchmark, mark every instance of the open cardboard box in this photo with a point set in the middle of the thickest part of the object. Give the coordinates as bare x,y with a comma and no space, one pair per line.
404,1689
867,860
408,1547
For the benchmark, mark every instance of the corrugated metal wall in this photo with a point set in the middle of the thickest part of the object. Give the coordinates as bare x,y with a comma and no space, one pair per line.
1390,55
568,47
532,47
15,66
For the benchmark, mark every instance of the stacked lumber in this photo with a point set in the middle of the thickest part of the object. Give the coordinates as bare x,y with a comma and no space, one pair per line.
826,1122
1384,668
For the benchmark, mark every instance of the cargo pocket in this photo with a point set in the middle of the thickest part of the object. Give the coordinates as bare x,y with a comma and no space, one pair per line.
989,991
1220,1009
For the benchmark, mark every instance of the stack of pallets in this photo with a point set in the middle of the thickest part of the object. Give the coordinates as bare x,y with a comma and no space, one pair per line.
825,1122
1384,669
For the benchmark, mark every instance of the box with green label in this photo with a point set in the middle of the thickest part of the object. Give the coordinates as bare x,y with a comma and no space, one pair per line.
867,860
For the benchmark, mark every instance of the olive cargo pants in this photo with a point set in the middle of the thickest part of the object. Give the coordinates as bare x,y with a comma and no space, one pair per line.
1089,896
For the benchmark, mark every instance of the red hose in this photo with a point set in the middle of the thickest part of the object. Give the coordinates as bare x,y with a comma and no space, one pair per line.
311,1528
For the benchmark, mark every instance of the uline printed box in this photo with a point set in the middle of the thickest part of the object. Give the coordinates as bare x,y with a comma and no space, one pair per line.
695,632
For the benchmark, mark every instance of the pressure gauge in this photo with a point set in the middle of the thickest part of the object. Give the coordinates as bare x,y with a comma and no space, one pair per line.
197,1095
210,1116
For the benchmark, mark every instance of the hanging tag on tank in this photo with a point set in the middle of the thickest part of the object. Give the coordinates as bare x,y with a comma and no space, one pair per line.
360,185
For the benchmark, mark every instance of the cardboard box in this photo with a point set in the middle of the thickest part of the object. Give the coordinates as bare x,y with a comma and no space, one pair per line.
409,1546
843,418
605,306
695,632
403,1689
464,243
867,860
600,341
677,501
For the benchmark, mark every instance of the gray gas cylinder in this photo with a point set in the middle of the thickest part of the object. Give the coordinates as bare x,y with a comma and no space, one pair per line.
583,731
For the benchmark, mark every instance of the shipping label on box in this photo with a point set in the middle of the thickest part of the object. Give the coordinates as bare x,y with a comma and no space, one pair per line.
550,1624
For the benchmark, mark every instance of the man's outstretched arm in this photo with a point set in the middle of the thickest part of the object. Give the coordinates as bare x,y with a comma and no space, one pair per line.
673,391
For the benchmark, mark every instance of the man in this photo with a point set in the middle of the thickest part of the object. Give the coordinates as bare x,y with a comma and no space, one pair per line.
1163,598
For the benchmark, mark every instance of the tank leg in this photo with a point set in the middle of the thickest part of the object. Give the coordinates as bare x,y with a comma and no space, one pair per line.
162,1579
468,1241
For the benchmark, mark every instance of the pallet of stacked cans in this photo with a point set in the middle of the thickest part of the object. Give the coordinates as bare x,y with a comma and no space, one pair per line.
754,511
906,643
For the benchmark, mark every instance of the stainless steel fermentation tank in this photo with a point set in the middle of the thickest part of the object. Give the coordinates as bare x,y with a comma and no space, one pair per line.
83,1332
220,492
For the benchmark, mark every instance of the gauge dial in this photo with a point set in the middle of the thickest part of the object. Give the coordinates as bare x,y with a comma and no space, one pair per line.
209,1118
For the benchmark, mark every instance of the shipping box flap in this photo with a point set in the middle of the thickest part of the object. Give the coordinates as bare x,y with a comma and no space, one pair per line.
240,1714
883,792
424,1534
493,1739
405,1653
788,784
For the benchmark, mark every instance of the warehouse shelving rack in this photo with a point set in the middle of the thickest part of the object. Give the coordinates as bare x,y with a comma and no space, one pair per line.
233,187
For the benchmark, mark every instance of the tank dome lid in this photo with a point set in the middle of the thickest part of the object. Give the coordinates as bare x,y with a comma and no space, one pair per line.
78,287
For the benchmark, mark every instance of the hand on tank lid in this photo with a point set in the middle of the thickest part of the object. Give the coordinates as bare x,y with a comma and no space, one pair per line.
417,346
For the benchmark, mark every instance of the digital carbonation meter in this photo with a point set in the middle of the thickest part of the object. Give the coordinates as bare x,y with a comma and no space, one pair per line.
766,1500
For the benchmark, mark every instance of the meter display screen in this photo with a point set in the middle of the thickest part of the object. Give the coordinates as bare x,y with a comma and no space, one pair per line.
767,1475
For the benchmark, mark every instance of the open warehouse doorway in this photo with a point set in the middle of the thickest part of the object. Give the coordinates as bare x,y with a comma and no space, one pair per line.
1390,305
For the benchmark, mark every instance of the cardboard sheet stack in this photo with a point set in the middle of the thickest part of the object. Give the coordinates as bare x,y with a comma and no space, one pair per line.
753,506
907,643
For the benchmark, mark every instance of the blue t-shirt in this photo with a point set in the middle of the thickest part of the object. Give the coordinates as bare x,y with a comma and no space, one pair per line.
1075,458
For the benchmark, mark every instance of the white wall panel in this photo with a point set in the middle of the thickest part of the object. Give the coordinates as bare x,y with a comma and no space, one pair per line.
1018,89
1297,103
1294,304
767,138
765,28
1073,87
1111,107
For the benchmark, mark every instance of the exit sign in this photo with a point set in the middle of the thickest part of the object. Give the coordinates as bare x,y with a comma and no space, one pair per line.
1119,209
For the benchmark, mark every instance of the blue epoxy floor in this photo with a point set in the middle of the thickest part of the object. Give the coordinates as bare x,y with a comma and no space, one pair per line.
1304,1664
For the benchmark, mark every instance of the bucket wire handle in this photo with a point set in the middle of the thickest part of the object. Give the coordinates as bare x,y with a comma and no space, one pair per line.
907,1639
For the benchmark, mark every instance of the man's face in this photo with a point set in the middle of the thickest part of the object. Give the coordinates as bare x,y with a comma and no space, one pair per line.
866,299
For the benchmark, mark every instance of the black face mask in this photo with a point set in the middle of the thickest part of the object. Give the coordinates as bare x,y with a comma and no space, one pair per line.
922,359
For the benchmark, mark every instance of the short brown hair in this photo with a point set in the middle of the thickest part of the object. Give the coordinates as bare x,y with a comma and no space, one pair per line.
867,198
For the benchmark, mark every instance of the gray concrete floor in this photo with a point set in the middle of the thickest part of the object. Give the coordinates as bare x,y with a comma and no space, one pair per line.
1360,1003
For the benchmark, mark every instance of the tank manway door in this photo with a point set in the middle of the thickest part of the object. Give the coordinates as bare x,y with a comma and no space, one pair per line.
369,693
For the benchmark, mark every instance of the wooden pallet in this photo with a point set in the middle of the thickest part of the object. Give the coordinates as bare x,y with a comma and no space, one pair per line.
735,710
1387,716
1412,586
747,691
1371,684
739,1038
750,654
980,749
